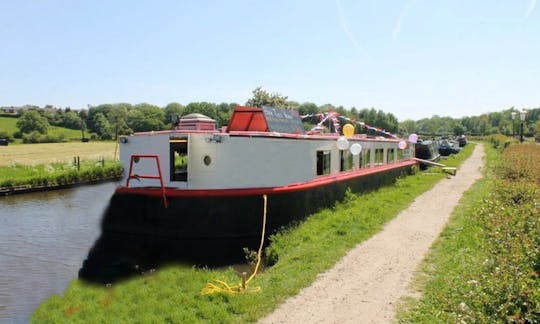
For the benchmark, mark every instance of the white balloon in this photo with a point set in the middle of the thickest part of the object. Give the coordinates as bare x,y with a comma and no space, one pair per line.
413,138
342,143
356,149
402,145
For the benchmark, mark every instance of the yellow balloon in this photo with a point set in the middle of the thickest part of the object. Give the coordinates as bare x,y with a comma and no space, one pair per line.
348,130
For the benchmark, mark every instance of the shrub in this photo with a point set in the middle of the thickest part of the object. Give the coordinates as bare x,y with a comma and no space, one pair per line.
501,142
508,285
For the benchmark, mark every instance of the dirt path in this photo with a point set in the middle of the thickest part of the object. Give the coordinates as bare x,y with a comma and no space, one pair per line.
367,283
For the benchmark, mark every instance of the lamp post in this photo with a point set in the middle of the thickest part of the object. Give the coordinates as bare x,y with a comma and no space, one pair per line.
522,115
513,114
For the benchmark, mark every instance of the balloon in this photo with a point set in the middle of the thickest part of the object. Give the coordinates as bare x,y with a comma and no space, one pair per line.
402,145
413,138
356,149
342,143
348,130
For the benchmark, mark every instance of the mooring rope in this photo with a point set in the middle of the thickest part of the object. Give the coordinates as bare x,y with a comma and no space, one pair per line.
223,287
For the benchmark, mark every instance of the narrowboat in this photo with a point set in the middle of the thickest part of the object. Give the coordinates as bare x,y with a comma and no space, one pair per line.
198,194
448,147
427,150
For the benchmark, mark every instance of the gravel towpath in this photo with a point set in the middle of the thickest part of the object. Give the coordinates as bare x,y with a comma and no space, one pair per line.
367,283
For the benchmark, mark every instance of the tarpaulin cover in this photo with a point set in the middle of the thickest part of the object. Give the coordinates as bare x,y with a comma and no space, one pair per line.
266,119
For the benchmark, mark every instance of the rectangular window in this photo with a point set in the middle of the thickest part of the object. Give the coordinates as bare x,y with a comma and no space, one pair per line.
390,156
366,162
323,162
179,159
346,160
379,155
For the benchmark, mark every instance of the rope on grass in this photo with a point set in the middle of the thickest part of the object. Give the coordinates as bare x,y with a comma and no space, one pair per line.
223,287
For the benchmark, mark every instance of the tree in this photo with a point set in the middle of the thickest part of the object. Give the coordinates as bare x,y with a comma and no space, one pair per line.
117,118
307,108
536,129
32,121
263,98
102,126
71,120
172,109
408,127
145,117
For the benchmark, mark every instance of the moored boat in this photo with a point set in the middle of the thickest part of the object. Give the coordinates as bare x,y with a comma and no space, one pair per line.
196,193
427,150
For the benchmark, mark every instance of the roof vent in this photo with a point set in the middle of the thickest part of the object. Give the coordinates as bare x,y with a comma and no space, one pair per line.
197,122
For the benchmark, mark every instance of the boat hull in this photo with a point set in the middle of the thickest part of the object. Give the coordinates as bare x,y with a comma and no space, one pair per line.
139,232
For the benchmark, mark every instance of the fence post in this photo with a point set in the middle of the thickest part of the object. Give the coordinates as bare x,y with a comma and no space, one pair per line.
78,163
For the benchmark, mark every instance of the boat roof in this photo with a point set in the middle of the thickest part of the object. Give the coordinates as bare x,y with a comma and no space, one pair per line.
265,119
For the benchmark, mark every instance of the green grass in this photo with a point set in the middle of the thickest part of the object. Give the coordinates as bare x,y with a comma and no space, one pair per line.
300,253
69,134
8,124
54,174
484,267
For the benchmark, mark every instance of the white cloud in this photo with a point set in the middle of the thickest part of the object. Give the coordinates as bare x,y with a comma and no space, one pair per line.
530,9
348,32
402,15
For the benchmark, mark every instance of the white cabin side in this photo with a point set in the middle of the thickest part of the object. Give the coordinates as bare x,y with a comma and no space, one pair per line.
224,161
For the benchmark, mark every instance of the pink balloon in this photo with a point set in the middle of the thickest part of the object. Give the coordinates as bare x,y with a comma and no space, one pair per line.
402,145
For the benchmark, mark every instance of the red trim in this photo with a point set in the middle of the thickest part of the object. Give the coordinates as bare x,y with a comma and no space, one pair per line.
294,187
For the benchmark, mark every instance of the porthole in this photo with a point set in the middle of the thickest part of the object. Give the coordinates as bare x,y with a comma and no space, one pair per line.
207,160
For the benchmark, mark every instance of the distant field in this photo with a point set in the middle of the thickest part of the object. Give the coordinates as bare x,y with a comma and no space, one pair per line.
8,124
69,134
31,154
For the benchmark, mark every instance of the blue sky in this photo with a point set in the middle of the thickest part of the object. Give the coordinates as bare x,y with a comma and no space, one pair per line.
412,58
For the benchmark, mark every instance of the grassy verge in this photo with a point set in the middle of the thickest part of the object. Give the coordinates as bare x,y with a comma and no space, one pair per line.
298,254
57,174
32,154
484,267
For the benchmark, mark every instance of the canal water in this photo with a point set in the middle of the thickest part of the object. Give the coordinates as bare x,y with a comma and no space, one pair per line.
44,238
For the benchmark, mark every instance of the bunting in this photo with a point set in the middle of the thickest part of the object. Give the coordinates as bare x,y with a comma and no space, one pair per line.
335,117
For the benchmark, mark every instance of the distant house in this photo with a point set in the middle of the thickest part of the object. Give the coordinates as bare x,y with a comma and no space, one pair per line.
14,111
9,110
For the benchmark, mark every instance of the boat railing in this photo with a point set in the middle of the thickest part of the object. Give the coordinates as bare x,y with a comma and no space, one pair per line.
135,158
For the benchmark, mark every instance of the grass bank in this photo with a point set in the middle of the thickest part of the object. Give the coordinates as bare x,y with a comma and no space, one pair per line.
485,266
298,255
21,178
33,166
33,154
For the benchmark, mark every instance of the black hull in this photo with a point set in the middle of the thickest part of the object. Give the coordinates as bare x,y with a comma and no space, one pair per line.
138,232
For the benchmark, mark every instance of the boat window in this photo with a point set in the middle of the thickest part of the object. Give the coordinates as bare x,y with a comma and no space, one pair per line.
390,156
179,159
346,160
367,158
323,162
379,156
400,155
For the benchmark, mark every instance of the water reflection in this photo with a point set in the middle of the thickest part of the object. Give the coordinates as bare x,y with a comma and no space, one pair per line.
44,237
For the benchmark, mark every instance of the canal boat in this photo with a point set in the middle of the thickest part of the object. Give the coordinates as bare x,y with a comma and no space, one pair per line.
427,152
448,147
203,194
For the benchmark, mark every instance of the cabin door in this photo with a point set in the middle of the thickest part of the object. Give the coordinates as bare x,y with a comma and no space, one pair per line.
179,159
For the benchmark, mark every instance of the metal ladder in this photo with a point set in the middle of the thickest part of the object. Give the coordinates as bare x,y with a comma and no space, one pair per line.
146,176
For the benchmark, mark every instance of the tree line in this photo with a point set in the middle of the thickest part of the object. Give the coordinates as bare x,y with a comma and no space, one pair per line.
107,121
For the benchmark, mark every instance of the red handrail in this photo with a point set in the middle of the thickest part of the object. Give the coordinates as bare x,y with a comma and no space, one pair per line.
146,176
